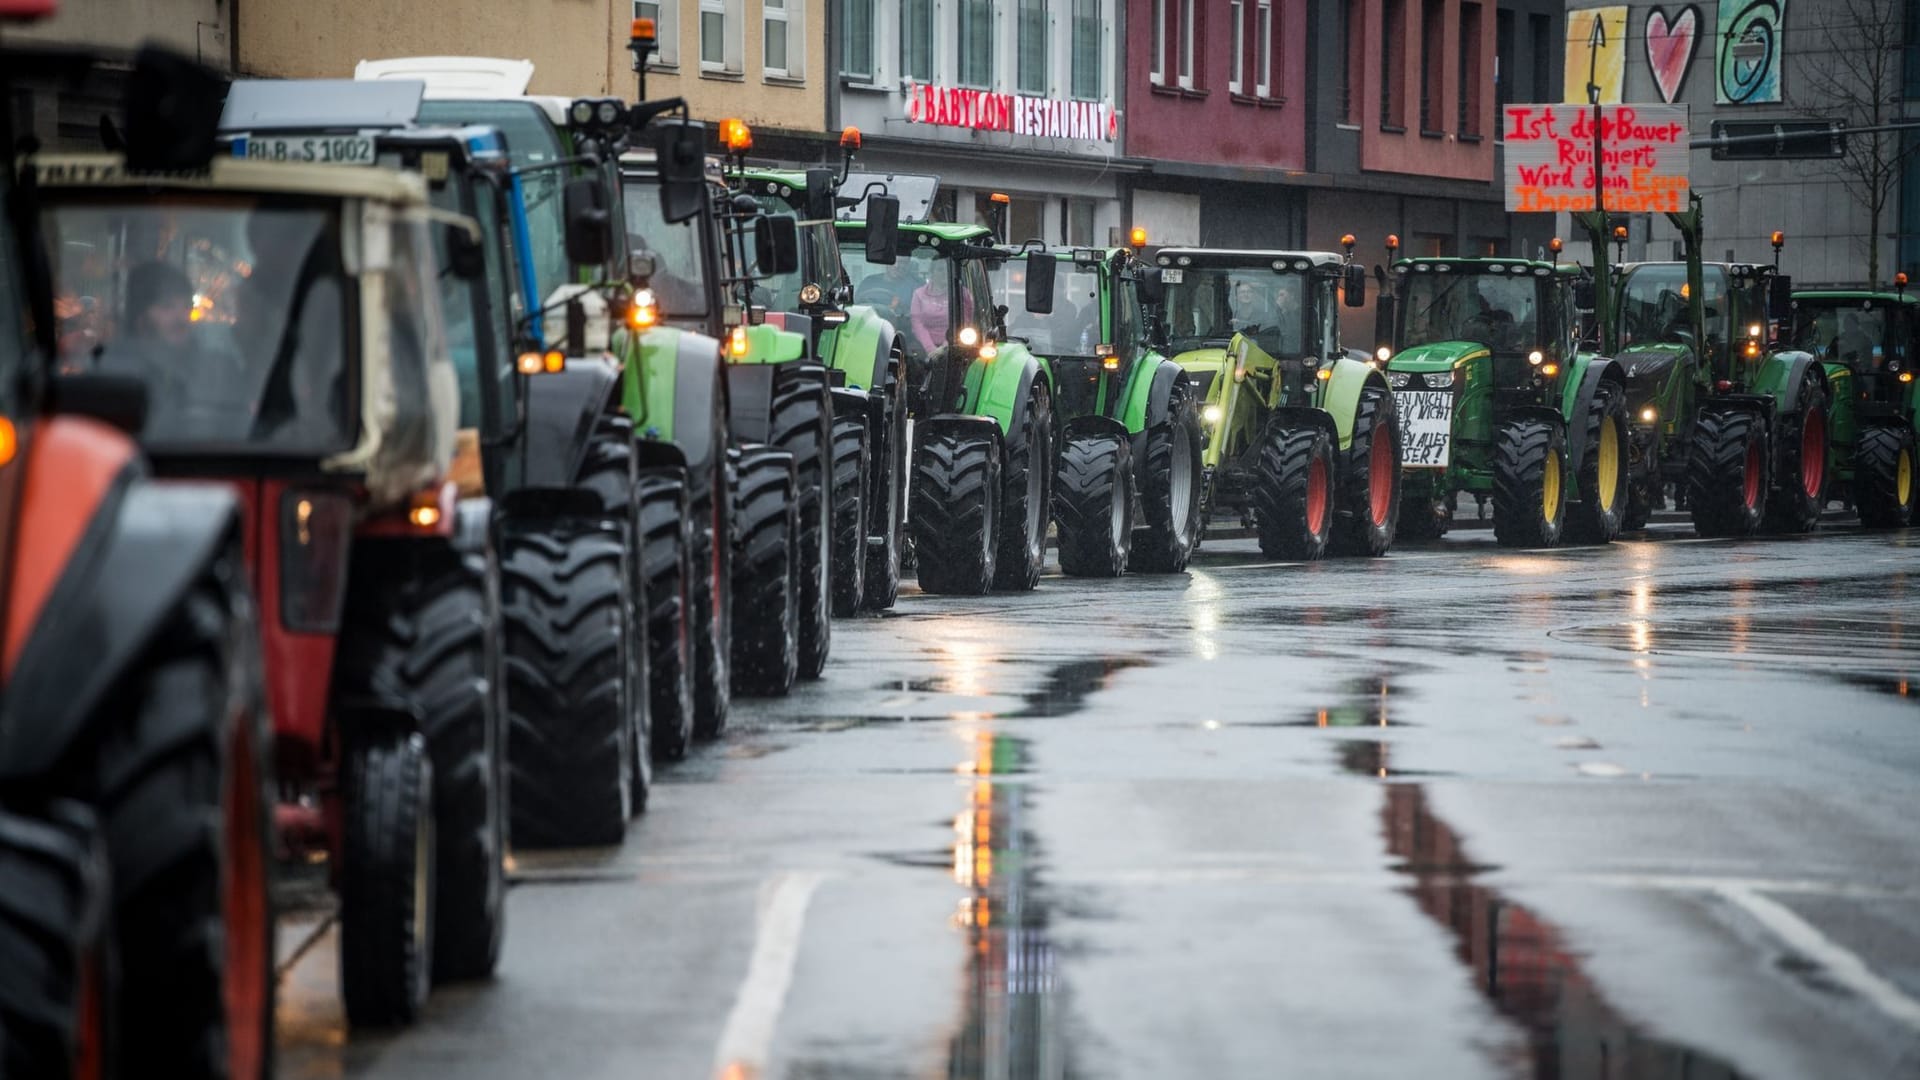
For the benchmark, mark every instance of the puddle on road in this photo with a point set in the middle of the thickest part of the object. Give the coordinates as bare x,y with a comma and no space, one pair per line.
1068,685
1520,963
1374,758
1368,701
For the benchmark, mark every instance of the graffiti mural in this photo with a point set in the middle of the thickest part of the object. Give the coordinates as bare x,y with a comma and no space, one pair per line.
1670,46
1747,68
1596,46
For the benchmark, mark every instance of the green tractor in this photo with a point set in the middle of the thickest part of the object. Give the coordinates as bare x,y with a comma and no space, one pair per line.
1127,489
1869,343
1738,426
1302,440
982,403
1497,399
865,354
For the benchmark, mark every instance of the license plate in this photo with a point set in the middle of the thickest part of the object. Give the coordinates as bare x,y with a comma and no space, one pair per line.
1426,427
316,149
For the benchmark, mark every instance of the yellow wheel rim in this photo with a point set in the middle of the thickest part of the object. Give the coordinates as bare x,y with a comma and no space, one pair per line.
1609,451
1903,478
1550,486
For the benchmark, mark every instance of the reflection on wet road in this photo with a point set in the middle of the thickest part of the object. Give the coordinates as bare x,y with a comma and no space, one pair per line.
1634,811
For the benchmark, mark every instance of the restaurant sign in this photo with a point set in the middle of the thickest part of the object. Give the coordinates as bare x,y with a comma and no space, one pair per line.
1021,114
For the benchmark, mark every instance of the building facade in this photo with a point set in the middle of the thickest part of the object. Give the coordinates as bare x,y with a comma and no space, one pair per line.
1011,96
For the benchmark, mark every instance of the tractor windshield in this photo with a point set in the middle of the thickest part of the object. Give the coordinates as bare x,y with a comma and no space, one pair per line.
532,142
233,310
677,274
1654,302
1859,333
1072,328
1498,310
1206,307
925,283
819,264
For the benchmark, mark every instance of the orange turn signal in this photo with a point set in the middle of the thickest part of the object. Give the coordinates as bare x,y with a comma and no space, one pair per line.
1905,376
1549,369
642,30
737,341
555,361
9,440
1393,242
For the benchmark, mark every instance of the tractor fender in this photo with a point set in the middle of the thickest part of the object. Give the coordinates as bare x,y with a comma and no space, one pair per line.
1149,391
1759,405
548,501
1781,376
1003,387
849,402
657,453
959,424
860,346
562,409
1577,398
1093,424
698,378
1544,413
141,553
1342,397
750,389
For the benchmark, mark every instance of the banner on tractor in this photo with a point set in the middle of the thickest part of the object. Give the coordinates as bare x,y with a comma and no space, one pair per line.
1550,163
1021,114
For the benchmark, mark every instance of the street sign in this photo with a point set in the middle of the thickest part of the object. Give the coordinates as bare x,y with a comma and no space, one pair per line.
1550,164
1776,140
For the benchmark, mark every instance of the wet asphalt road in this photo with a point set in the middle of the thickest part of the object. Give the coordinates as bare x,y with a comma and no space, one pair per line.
1646,810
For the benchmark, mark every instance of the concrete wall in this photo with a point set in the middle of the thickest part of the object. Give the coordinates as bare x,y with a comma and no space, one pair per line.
199,28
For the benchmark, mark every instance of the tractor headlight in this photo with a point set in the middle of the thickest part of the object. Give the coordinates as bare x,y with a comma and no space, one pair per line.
809,293
1536,358
1438,380
1398,379
1212,414
1383,354
969,337
1649,415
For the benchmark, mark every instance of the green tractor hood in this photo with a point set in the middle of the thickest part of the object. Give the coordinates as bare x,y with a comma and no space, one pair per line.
1437,356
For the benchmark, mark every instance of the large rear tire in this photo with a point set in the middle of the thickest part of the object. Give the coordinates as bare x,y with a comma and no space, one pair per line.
1801,467
1093,505
568,679
1024,495
1368,512
1884,476
666,540
956,496
1604,488
387,887
712,598
801,423
851,465
766,587
1170,487
1727,473
888,512
53,943
1293,493
1529,484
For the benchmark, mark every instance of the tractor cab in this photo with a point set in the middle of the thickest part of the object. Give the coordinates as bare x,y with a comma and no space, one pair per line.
1871,337
1094,325
1500,325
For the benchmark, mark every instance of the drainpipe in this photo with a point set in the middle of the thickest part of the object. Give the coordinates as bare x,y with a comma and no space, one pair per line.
830,31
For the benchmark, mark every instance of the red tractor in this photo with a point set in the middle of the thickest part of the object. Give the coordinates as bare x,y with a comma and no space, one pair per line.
136,927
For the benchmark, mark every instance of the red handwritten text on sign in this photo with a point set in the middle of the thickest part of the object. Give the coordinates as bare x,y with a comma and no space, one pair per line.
1550,162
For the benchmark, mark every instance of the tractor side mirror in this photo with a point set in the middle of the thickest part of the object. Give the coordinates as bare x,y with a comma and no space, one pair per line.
588,238
1146,281
465,256
1584,295
1040,273
1383,319
776,240
1355,287
1779,296
680,147
821,189
883,224
172,112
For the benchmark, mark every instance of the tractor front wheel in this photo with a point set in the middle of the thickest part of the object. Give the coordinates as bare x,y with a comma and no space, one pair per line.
1293,493
1370,501
665,555
387,879
1883,477
766,565
1025,496
1093,505
1529,489
801,423
956,512
1604,496
1170,488
1727,473
1794,507
852,459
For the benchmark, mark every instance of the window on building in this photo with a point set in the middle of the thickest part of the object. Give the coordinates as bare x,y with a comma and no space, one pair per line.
1157,61
783,44
1033,46
1076,222
1913,53
720,45
1263,44
1351,62
976,42
1393,76
1431,245
1188,31
1432,67
856,40
916,39
666,30
1086,50
1502,60
1540,30
1471,79
1237,35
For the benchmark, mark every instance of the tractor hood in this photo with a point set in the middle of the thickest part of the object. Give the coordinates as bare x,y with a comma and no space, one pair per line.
1436,356
1650,363
1205,367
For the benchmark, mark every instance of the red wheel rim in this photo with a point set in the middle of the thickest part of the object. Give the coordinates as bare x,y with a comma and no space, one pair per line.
90,1056
1317,496
1813,452
1752,478
1379,480
245,909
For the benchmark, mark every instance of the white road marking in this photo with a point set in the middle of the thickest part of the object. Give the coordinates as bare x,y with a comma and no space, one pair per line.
748,1036
1843,966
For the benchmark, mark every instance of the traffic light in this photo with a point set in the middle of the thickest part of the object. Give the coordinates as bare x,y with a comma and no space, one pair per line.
1777,140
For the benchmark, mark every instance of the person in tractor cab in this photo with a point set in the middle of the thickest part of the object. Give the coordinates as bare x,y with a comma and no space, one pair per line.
930,304
1853,346
891,290
1250,305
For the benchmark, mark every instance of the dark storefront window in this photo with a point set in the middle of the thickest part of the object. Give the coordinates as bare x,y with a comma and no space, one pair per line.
1086,49
916,39
976,42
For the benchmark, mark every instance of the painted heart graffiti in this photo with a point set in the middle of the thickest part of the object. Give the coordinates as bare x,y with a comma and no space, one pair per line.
1670,43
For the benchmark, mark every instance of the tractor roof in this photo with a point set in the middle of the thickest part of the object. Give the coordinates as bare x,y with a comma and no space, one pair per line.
235,174
1246,258
944,230
1485,265
481,78
1856,296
